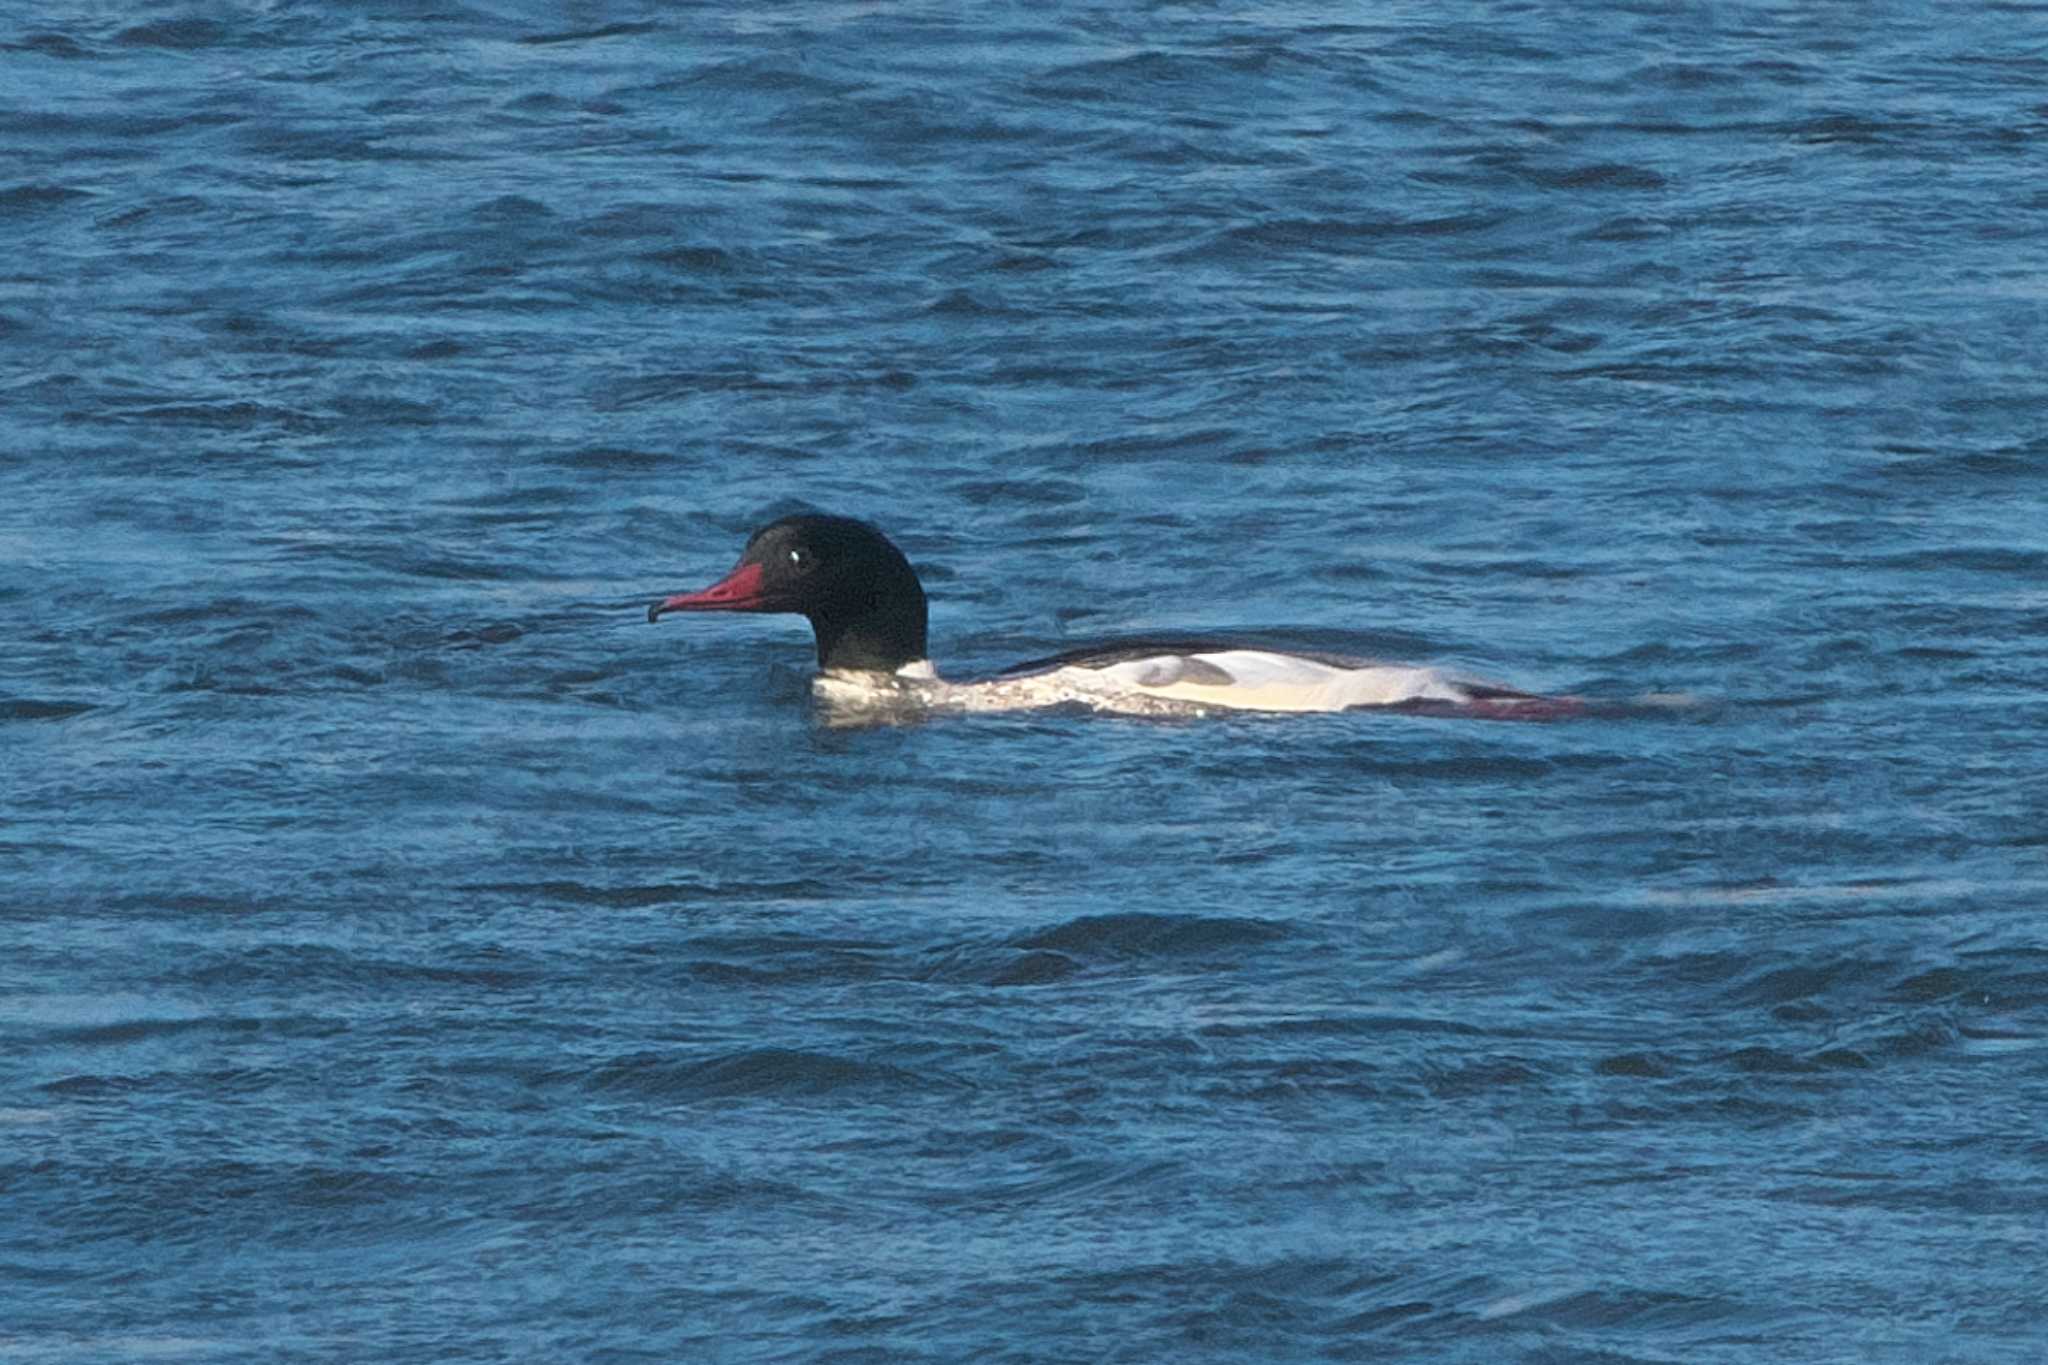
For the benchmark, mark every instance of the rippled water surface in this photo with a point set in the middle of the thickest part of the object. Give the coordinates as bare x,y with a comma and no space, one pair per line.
411,954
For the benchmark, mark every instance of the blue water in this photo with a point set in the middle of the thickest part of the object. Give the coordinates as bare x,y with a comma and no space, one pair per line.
412,955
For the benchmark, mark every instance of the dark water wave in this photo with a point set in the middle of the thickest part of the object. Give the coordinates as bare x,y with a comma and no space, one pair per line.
771,1072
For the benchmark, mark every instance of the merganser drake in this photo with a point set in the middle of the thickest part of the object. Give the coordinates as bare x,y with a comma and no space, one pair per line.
867,610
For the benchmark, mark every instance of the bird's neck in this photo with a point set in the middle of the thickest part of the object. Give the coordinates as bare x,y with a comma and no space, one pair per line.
881,634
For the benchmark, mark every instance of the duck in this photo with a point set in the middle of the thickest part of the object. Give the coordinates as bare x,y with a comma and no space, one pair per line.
870,618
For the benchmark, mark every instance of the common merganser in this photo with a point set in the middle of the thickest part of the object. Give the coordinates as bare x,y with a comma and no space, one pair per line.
867,610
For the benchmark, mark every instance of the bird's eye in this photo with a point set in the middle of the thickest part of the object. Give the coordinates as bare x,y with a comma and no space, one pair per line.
800,559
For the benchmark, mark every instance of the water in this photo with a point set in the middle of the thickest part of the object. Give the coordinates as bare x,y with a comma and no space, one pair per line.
414,955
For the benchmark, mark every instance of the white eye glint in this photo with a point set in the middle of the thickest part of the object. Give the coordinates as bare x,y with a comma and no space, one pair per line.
800,558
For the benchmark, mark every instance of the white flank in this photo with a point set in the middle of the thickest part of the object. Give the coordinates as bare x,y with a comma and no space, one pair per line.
1155,685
